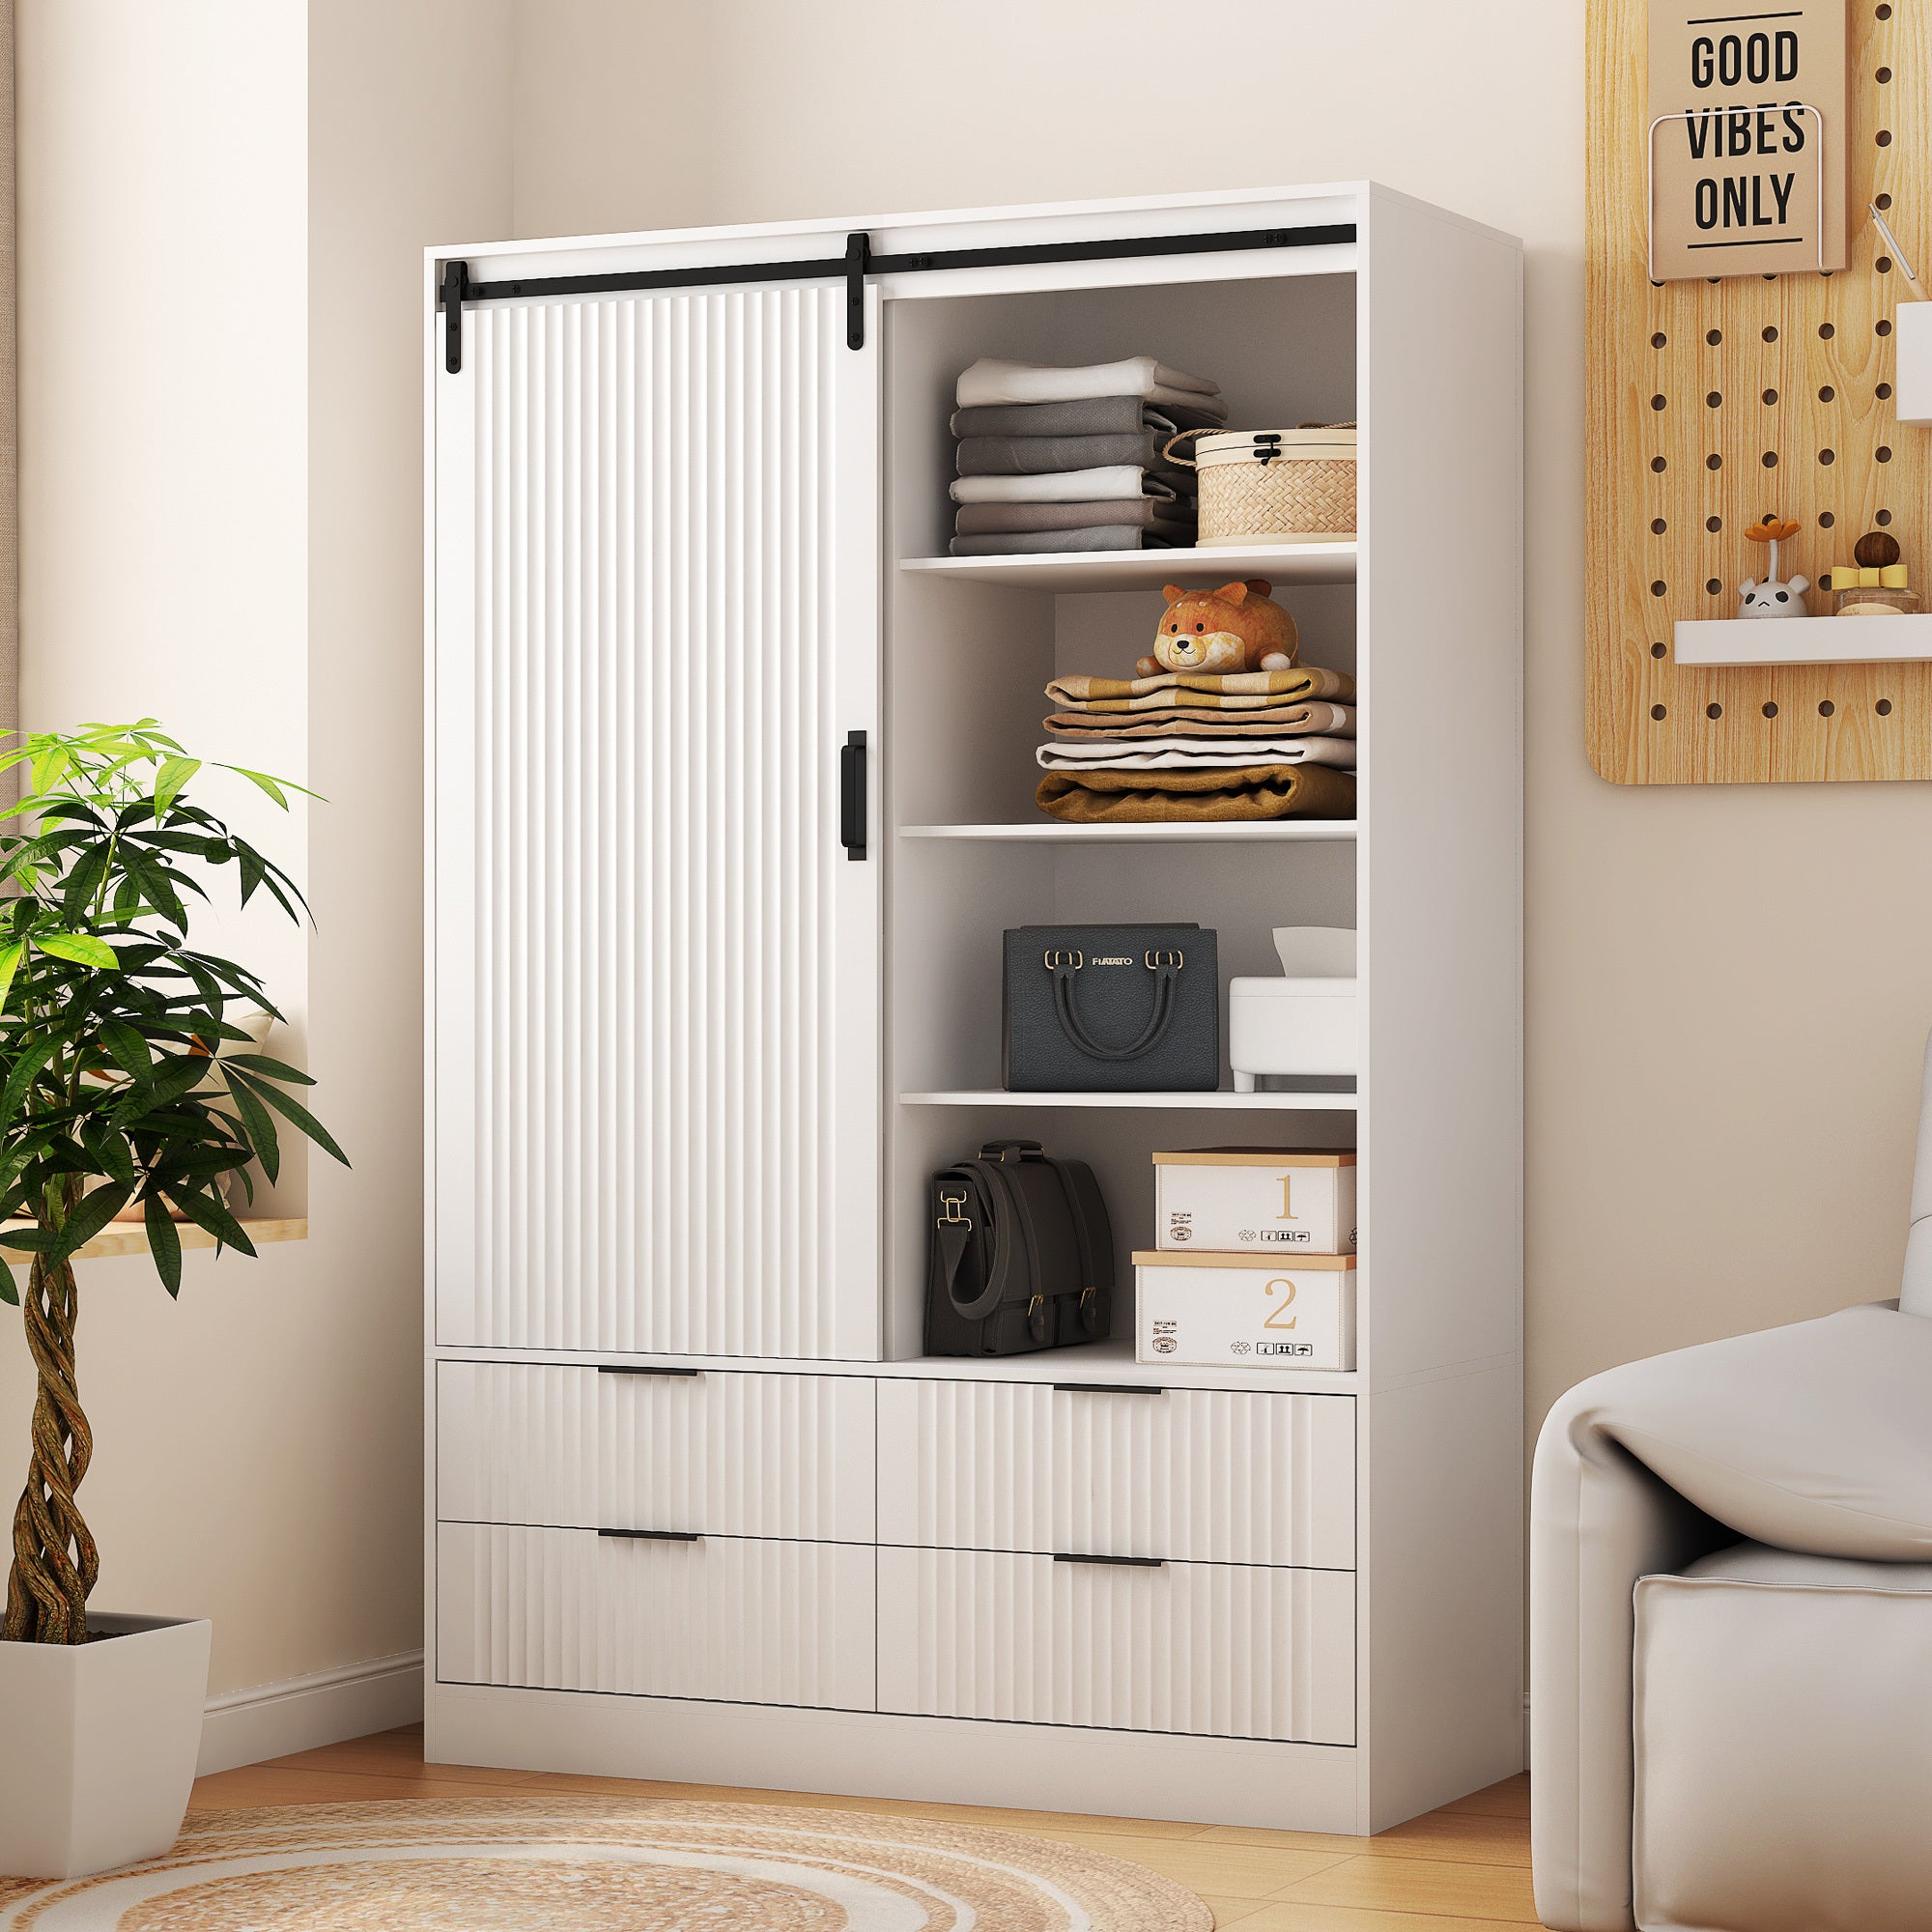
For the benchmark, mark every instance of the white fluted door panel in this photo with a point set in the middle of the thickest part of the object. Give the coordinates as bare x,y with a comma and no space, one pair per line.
1211,1649
1192,1474
656,1025
734,1621
733,1455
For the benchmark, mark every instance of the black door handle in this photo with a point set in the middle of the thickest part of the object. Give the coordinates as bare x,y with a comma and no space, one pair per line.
623,1368
852,795
1115,1562
653,1535
1105,1388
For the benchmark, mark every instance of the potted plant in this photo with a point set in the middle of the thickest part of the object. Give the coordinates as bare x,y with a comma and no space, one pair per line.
111,1093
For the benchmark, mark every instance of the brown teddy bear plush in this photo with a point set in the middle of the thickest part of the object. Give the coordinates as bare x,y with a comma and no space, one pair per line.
1236,628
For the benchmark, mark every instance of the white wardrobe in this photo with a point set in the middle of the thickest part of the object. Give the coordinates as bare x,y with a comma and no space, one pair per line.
730,799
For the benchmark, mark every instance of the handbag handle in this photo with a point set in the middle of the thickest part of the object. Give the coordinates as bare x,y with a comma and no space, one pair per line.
1166,970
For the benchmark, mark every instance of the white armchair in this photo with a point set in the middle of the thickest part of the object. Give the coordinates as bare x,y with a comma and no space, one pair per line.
1731,1628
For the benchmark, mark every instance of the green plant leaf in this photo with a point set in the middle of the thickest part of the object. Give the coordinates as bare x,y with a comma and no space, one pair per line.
169,782
209,1213
78,949
258,1122
275,1069
163,1242
10,1292
25,1071
10,964
272,786
293,1110
34,1241
92,1214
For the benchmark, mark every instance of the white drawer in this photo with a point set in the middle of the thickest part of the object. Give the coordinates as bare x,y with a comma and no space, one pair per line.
726,1453
1194,1476
720,1618
1210,1649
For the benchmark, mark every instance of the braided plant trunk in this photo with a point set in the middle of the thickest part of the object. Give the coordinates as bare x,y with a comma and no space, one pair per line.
54,1558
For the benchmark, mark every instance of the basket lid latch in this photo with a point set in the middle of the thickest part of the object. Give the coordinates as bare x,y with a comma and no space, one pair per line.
1267,445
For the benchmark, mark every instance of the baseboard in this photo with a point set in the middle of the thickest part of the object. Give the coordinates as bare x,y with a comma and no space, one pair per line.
302,1712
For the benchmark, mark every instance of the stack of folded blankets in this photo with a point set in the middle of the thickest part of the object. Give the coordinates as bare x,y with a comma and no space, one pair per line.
1071,459
1200,745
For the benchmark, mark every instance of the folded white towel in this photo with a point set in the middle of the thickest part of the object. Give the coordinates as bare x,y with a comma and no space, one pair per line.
1119,482
990,380
1189,755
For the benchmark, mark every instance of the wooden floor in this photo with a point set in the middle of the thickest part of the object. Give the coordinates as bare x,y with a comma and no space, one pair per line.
1462,1870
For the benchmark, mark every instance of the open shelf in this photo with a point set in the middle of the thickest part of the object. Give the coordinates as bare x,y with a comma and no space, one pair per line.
1302,1102
131,1238
1050,831
1804,640
1148,569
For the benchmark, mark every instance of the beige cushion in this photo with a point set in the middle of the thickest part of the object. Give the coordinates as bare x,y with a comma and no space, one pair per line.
1816,1437
1783,1733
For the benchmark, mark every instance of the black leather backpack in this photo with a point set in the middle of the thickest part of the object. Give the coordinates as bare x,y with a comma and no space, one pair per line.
1021,1255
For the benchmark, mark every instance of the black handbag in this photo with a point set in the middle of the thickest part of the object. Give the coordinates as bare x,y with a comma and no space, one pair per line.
1111,1009
1021,1255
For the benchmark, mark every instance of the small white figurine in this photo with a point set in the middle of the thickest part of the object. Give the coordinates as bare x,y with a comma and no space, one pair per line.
1773,597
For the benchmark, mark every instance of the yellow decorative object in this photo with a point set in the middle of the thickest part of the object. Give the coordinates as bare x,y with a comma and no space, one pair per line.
1893,577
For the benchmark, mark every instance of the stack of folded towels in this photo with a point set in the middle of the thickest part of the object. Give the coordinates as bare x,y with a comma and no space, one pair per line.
1200,745
1070,459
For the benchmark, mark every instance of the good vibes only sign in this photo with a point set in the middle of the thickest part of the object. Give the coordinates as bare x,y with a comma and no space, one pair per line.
1748,113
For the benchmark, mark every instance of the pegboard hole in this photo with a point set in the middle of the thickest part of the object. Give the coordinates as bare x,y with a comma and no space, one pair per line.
1658,589
1770,398
1885,201
1882,454
1884,329
1658,402
1882,137
1715,400
1827,456
1714,711
1716,336
1884,12
1826,520
1826,708
1657,650
1828,394
1883,76
1658,340
1714,524
1770,711
1770,459
1769,333
1883,707
1714,461
1715,586
1883,392
1882,518
1658,712
1657,527
1659,463
1882,265
1826,331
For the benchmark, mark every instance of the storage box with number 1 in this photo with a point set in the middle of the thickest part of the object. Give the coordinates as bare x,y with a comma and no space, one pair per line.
1245,1311
1255,1201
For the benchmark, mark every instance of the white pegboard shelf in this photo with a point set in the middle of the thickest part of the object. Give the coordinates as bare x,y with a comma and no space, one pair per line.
1804,640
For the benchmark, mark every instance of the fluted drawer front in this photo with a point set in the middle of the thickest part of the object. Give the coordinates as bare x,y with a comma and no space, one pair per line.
1192,1474
735,1454
734,1621
1215,1650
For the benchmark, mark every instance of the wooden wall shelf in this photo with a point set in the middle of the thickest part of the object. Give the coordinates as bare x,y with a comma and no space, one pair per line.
130,1238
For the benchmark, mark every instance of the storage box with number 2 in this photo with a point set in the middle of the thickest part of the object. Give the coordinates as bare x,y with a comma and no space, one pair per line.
1245,1311
1255,1200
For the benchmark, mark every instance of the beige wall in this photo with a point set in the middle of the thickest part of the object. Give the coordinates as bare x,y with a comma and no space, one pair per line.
223,208
1727,989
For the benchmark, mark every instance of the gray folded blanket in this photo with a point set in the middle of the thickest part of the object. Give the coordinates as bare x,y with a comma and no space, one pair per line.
1101,416
1102,536
1142,512
1042,455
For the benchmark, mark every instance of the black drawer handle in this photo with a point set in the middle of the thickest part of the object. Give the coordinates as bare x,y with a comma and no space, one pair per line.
1114,1562
1105,1388
622,1369
653,1535
852,811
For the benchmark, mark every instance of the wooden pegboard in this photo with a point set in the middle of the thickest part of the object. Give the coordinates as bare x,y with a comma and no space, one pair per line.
1719,403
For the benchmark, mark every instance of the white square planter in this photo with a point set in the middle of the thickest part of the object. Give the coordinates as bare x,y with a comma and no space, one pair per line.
100,1742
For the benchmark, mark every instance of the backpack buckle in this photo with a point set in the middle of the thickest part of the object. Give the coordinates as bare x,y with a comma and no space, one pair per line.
953,1218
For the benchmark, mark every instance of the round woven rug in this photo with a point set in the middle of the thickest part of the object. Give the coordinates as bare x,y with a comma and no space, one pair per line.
590,1864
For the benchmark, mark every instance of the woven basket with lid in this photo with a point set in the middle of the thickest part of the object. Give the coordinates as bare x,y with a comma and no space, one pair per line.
1276,485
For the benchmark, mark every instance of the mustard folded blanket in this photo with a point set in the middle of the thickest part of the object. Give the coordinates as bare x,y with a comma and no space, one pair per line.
1146,798
1199,689
1278,721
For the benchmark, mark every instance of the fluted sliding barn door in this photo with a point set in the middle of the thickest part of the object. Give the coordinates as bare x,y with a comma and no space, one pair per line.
656,1030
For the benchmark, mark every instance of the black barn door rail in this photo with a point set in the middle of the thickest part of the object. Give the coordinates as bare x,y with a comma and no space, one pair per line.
857,264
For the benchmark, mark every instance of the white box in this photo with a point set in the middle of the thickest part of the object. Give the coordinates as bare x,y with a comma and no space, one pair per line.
1245,1311
1255,1200
1912,351
1307,1021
